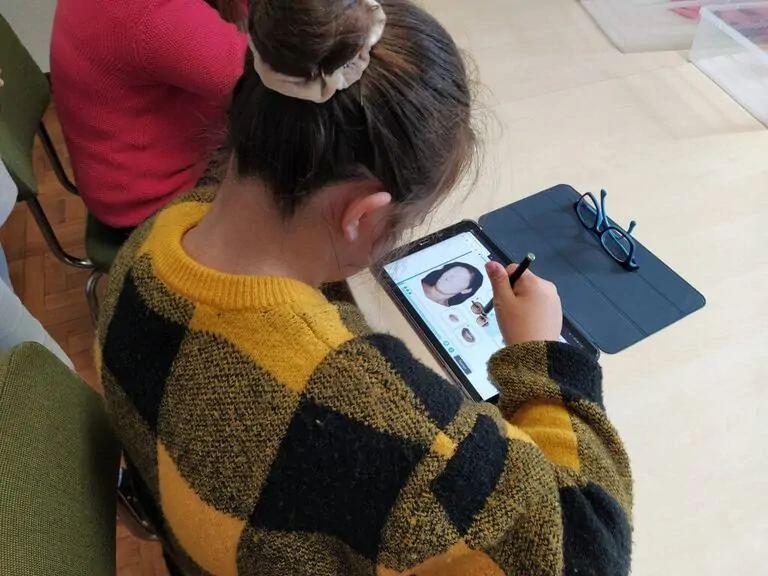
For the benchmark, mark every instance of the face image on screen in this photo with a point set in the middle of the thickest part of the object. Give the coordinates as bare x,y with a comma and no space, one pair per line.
447,286
452,284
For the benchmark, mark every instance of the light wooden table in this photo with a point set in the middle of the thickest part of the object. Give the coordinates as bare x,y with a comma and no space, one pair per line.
691,166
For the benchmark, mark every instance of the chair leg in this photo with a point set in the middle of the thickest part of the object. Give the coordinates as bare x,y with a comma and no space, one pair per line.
90,293
130,509
138,526
50,237
53,156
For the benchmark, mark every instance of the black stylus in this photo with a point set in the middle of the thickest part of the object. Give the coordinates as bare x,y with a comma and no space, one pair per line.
514,277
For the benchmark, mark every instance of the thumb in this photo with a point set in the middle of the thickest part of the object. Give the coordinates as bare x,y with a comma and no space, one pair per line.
502,291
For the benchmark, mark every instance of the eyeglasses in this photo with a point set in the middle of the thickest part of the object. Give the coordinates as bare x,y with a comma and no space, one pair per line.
482,317
617,242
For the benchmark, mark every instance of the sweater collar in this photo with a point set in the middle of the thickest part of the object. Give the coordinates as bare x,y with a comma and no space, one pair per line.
204,285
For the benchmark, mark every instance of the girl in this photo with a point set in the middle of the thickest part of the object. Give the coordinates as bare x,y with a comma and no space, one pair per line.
273,431
141,90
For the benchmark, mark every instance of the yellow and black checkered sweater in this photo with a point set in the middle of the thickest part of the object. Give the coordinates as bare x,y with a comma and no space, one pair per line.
277,435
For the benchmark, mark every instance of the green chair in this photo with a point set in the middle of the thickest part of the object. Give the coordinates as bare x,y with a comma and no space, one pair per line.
58,470
60,493
23,102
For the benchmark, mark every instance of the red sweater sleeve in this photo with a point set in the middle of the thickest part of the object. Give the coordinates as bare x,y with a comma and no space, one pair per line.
187,44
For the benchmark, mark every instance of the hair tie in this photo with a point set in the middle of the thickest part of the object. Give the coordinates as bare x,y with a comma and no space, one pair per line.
322,88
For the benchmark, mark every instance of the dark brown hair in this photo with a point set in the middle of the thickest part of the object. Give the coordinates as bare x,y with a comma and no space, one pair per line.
230,10
407,122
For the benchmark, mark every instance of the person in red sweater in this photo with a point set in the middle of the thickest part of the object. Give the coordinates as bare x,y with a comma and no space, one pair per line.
141,90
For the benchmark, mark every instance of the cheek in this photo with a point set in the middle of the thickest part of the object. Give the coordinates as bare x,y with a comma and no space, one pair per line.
447,284
451,285
463,282
457,283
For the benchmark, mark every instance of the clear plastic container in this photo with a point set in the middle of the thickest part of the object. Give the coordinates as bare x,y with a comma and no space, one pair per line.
645,25
731,47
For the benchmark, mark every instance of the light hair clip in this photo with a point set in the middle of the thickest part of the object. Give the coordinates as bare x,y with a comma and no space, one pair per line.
322,88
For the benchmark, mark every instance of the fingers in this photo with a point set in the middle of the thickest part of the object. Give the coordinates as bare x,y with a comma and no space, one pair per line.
512,268
499,277
529,282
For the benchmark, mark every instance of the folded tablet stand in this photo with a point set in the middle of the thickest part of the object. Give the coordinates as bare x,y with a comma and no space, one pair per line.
612,306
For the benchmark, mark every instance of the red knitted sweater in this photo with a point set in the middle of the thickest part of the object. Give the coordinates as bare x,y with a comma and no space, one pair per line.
141,90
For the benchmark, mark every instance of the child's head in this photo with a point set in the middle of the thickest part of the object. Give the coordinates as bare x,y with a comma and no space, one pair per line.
374,157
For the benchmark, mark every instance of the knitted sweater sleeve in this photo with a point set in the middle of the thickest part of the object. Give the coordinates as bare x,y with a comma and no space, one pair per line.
552,393
185,43
539,485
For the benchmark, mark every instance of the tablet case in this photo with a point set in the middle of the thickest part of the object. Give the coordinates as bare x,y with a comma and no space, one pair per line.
613,307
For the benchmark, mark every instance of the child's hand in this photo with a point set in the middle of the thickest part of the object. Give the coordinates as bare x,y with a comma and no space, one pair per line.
528,313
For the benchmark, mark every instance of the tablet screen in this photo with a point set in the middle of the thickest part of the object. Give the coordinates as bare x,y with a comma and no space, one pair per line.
447,286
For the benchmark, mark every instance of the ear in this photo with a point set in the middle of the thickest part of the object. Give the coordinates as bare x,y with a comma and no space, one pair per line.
363,212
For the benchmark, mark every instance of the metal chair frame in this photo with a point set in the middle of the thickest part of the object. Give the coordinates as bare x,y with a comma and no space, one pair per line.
130,511
48,233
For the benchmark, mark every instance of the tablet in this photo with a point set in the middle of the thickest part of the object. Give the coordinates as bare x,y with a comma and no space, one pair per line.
440,284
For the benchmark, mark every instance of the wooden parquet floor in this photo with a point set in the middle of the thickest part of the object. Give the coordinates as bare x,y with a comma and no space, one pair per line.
55,294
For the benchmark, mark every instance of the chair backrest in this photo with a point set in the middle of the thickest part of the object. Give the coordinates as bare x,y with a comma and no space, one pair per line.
23,101
58,470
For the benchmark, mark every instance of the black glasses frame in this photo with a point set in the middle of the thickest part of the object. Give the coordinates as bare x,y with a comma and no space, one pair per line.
604,230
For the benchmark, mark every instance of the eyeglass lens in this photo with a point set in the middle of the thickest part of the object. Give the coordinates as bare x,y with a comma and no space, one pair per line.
617,244
587,211
477,309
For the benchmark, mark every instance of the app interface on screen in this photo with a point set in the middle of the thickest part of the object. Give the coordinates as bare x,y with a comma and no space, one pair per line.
447,286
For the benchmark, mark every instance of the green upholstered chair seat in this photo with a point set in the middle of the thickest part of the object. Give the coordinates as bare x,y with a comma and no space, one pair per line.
102,243
58,470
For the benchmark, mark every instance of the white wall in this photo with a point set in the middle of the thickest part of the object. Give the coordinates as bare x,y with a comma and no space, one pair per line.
32,20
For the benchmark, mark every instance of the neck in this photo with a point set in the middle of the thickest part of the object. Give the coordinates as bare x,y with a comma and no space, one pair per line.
244,234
